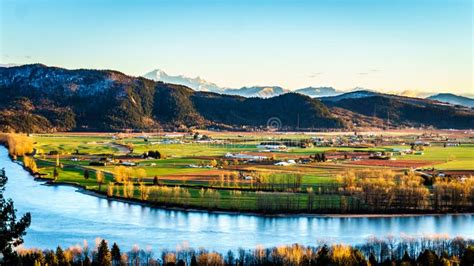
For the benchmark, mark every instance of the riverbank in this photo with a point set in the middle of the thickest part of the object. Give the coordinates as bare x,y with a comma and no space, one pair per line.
83,190
63,215
95,193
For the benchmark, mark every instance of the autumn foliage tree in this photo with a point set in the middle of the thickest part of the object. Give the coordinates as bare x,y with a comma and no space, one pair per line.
99,176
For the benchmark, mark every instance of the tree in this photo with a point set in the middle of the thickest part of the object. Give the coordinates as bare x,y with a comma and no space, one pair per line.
427,257
115,252
86,174
194,260
322,256
213,163
155,180
140,173
57,160
30,163
468,256
110,189
55,173
104,257
11,230
154,154
144,191
51,259
62,260
99,176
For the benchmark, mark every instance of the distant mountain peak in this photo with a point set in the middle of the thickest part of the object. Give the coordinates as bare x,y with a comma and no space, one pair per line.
197,83
453,99
318,91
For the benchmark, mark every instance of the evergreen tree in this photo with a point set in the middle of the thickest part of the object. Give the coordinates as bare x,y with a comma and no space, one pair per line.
194,260
372,259
86,174
406,257
468,256
62,261
87,261
428,257
11,230
104,257
115,254
322,256
55,173
51,259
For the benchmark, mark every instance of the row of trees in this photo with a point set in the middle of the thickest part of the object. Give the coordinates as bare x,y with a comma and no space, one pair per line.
378,191
390,251
278,182
123,174
368,190
384,191
18,144
259,181
30,164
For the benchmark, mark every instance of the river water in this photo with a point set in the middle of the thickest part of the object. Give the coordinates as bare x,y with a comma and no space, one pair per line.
63,216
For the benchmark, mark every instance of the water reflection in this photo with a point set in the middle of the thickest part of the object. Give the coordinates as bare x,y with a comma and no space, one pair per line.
62,216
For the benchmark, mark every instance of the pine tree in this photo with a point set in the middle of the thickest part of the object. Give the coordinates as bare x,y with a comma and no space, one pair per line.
61,257
194,261
55,173
86,174
115,254
11,229
51,259
104,257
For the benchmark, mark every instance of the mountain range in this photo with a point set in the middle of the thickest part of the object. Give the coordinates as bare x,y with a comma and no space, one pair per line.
200,84
453,99
38,98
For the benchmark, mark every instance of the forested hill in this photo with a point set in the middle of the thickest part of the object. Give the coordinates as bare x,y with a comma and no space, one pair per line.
37,98
404,111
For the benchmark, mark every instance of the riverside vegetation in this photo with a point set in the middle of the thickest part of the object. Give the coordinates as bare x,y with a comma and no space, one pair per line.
428,250
216,182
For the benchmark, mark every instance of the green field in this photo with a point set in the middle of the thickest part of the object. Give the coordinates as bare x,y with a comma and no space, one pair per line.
174,168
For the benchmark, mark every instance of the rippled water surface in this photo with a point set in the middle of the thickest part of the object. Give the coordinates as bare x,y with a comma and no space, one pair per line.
62,216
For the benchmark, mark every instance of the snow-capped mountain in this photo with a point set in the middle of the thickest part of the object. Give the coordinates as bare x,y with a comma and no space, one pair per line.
200,84
257,91
318,92
8,65
196,83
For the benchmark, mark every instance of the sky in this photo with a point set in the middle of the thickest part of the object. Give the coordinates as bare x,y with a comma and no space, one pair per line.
386,45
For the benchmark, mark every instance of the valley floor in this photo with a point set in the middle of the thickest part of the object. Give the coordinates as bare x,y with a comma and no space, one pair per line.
393,172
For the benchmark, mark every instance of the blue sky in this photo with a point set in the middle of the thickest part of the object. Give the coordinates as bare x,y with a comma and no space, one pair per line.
423,45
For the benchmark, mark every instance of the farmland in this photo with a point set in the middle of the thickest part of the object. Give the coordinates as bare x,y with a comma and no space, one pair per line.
265,172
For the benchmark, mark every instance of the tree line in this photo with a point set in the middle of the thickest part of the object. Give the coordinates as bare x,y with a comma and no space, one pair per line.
434,250
17,144
384,191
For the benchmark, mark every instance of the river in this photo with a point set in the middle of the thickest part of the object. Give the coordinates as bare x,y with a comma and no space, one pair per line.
63,216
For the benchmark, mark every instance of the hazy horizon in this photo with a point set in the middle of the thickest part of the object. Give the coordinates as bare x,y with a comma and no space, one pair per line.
389,46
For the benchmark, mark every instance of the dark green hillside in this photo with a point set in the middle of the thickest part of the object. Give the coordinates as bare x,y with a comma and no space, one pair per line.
408,111
37,98
293,110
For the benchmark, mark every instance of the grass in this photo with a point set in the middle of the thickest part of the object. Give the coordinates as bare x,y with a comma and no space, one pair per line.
67,144
180,156
448,158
